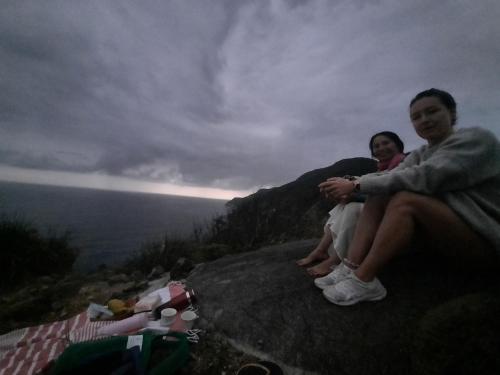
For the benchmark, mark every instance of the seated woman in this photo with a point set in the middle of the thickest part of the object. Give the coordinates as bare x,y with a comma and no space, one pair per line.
447,193
388,149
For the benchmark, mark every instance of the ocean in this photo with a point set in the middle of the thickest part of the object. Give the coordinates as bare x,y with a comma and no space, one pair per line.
107,226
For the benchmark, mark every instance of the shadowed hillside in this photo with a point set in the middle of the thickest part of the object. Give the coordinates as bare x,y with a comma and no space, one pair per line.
291,211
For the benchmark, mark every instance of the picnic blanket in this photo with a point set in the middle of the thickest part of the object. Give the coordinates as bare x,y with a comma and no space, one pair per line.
29,350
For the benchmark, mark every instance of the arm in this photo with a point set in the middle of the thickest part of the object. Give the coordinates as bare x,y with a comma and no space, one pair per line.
463,160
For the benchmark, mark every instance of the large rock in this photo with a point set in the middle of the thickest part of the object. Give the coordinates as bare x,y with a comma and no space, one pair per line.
267,306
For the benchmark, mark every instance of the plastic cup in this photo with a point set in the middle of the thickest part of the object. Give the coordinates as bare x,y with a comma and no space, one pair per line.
167,316
188,317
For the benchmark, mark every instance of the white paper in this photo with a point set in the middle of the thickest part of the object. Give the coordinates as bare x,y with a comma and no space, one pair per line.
155,327
164,294
135,340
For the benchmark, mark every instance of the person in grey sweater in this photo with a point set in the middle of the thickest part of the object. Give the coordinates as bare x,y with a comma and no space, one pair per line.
446,192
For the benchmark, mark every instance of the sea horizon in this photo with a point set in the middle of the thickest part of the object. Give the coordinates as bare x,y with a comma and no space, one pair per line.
108,189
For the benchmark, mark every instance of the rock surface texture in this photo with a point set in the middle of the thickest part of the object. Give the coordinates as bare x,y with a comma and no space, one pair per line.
434,320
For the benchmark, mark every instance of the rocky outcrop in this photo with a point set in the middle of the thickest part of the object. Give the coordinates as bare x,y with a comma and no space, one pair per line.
260,305
277,215
434,320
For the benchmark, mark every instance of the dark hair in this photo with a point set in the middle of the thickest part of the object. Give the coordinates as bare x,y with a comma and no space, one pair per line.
392,136
444,97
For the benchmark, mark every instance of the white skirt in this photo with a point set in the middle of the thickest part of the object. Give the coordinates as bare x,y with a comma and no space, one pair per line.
341,224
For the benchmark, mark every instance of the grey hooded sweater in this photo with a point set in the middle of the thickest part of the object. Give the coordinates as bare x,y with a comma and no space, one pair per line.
463,171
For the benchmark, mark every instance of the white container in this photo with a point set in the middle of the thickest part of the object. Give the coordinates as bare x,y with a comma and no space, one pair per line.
188,317
167,316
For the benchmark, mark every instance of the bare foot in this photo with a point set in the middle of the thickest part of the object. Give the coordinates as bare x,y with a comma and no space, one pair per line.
316,255
322,269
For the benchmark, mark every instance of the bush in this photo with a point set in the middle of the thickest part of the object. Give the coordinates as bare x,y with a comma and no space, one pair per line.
165,253
26,254
159,253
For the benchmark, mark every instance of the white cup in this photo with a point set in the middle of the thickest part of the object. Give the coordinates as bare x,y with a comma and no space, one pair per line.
167,316
188,317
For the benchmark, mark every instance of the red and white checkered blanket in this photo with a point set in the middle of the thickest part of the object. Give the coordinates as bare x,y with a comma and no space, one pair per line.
27,351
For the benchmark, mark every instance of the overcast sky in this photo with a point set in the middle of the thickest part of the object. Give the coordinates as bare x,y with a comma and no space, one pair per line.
191,97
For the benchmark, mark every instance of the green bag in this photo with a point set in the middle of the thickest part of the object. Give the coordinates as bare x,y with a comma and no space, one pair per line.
111,355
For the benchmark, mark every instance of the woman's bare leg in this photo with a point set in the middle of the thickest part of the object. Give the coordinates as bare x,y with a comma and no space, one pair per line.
366,228
404,213
320,252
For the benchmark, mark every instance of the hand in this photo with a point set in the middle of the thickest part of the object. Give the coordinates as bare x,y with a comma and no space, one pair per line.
337,188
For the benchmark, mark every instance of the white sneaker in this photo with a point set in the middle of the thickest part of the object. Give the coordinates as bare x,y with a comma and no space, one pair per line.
352,290
339,273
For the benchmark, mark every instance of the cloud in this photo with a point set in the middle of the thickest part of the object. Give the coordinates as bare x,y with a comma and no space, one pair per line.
231,94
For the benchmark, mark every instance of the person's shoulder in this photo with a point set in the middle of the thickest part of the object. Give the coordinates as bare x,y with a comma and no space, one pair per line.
475,133
475,140
418,151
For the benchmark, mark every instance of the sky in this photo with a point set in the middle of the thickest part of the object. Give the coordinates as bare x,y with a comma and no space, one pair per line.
220,98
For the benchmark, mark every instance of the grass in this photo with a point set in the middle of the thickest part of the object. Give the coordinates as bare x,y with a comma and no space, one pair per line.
26,254
166,252
198,247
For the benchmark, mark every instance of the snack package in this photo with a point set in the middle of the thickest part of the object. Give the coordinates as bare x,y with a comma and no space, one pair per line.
147,303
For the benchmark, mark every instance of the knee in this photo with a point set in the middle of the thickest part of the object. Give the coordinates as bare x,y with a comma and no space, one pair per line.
405,202
375,202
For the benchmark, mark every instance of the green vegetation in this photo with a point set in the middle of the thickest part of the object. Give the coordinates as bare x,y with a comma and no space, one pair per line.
26,254
167,251
198,247
251,222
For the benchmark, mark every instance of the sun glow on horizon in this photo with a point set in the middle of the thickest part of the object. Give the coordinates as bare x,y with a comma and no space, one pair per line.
105,182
